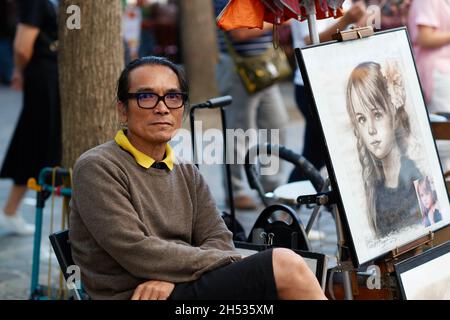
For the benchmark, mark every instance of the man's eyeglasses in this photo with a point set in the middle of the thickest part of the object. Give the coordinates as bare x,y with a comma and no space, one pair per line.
149,100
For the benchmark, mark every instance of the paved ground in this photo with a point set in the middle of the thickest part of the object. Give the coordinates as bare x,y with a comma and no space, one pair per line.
16,252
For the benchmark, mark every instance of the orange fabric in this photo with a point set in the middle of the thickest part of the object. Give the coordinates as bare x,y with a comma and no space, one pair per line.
252,13
242,14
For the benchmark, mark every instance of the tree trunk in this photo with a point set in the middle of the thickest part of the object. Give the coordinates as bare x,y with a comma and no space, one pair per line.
90,61
199,47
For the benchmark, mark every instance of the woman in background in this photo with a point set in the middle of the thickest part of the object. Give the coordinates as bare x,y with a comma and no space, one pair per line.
429,28
36,142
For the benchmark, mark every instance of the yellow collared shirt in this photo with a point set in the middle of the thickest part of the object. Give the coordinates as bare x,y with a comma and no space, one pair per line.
141,158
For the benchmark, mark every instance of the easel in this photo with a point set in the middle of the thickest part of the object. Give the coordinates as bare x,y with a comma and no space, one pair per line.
389,288
400,253
322,199
397,255
327,198
344,267
379,252
352,286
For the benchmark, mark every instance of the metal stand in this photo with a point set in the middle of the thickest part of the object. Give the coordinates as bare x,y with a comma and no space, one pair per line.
312,25
348,290
44,191
228,170
324,198
316,210
327,198
400,253
220,102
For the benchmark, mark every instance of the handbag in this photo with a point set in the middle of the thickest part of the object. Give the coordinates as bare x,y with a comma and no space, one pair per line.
260,71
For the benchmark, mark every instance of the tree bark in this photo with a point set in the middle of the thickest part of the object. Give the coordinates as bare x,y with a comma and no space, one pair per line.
90,61
199,47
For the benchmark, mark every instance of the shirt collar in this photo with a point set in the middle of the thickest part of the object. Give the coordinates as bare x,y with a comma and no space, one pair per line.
141,158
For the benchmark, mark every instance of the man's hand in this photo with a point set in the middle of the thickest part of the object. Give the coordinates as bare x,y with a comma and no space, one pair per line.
153,290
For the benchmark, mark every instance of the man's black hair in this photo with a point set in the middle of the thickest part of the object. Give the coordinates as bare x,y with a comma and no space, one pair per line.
123,84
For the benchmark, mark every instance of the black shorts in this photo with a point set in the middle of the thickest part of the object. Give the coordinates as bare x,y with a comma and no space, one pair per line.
248,279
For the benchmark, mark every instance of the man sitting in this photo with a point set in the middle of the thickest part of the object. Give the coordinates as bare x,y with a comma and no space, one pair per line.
144,225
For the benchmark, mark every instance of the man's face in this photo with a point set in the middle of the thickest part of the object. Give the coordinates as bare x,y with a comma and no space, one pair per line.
152,126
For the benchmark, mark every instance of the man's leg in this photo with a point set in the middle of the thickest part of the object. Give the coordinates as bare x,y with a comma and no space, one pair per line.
293,279
267,275
251,278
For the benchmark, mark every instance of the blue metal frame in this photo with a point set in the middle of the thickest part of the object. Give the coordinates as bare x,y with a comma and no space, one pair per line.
36,292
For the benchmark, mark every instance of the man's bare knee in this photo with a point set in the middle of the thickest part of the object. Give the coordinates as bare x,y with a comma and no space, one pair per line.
293,278
286,263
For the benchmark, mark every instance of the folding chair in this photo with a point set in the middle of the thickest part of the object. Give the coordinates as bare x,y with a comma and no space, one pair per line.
61,245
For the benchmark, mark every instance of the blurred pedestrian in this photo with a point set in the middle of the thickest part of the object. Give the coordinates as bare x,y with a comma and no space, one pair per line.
148,41
429,28
394,13
7,31
36,142
264,109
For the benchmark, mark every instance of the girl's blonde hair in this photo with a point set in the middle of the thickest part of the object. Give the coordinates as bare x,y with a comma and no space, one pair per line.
369,87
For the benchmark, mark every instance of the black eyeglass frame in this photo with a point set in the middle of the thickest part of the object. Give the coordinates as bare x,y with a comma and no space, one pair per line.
135,95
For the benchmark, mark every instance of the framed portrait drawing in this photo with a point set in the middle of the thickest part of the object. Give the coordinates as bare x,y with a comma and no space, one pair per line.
426,276
382,158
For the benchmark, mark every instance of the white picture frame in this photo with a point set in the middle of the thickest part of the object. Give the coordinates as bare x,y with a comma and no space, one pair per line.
374,161
426,276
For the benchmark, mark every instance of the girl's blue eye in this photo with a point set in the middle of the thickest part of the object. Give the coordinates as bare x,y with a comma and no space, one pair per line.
361,119
378,115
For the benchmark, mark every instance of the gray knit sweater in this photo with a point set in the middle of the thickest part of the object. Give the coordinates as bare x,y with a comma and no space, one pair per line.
129,224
